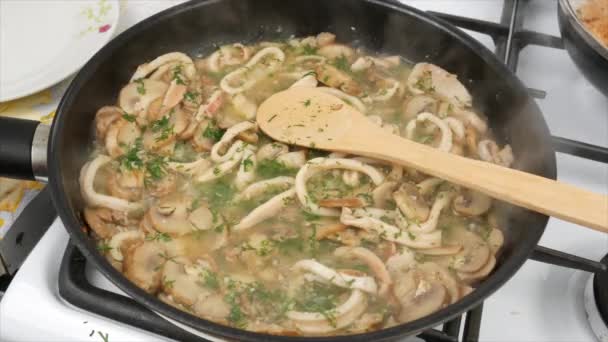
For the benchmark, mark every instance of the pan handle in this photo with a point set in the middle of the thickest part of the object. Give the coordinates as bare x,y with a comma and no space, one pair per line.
23,149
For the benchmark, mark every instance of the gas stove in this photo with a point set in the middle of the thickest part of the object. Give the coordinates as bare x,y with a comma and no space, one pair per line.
552,297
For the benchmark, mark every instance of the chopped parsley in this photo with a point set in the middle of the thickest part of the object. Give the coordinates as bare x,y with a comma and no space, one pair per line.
210,280
247,164
272,118
192,97
162,126
141,88
213,132
236,317
217,193
103,247
317,297
309,50
306,103
129,117
159,237
156,167
425,82
271,168
132,160
177,74
168,283
342,63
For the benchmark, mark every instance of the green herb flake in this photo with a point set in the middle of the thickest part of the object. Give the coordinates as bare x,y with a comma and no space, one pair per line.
247,164
103,247
307,49
342,63
156,167
159,237
162,126
141,88
213,132
271,168
132,160
129,117
210,279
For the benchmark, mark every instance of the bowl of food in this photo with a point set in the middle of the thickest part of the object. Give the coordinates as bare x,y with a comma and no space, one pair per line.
166,184
584,28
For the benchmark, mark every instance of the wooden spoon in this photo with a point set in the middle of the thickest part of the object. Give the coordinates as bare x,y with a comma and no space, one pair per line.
312,118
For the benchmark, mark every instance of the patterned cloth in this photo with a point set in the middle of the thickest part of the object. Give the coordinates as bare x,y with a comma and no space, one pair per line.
15,195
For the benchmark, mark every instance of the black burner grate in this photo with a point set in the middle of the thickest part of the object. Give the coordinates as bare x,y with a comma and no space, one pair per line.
510,38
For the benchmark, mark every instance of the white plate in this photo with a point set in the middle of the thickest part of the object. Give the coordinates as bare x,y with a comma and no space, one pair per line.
44,41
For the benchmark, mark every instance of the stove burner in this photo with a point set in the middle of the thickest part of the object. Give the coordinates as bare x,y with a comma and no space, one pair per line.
596,303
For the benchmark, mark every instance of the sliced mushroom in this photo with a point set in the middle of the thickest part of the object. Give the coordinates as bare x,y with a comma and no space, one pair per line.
271,151
443,250
164,186
201,218
143,265
489,151
103,221
132,100
119,135
335,78
170,215
483,272
294,160
411,203
383,194
329,229
426,299
117,241
126,184
325,38
104,117
472,203
418,104
334,51
495,240
475,251
181,285
428,186
212,306
426,78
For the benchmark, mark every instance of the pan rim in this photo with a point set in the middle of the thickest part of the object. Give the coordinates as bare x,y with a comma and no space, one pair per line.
72,224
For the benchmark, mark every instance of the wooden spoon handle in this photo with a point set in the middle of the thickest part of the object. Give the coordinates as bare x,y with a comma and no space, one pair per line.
522,189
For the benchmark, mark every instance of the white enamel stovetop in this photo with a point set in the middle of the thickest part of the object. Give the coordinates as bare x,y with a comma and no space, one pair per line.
541,303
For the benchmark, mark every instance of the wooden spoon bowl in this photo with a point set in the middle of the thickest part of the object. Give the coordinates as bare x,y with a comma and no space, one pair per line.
312,118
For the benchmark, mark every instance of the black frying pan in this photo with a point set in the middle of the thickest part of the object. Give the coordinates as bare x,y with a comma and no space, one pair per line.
195,26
